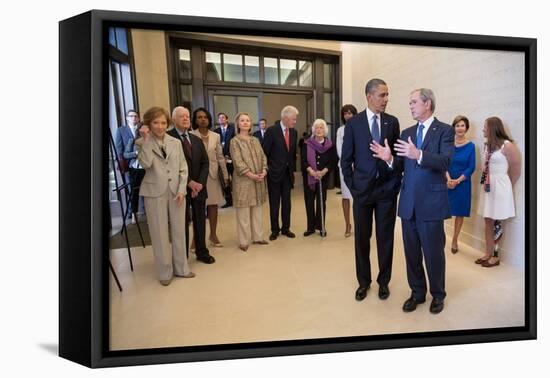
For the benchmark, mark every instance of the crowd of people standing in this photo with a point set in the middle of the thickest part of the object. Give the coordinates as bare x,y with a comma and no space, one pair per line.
421,174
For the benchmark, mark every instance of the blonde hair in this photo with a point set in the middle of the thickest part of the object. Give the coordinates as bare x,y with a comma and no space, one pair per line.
237,121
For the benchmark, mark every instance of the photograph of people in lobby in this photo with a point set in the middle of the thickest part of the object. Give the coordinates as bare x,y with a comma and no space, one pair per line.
308,173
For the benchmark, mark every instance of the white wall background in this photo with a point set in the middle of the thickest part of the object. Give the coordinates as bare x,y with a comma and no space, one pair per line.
29,78
476,83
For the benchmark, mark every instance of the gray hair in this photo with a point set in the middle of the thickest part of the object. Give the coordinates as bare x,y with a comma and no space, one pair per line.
372,84
319,121
288,111
178,109
426,94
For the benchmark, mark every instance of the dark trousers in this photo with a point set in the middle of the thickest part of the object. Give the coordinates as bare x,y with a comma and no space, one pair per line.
425,238
227,190
384,214
312,200
279,197
196,212
136,177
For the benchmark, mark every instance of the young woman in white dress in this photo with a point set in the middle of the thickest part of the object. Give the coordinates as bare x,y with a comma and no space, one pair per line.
346,113
501,169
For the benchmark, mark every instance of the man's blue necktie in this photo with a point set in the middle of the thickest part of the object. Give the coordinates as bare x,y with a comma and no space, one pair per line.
375,129
419,135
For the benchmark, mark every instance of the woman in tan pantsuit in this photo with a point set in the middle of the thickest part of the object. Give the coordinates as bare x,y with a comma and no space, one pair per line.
202,122
164,189
249,185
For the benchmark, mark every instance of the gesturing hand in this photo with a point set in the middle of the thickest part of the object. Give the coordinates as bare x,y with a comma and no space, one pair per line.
381,152
407,149
144,132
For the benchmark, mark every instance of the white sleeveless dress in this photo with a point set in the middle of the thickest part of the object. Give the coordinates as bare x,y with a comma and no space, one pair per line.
499,202
346,194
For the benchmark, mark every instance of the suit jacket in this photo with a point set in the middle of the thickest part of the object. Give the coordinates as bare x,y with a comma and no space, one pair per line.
229,134
130,151
197,163
281,161
123,137
424,190
369,178
215,155
161,172
258,134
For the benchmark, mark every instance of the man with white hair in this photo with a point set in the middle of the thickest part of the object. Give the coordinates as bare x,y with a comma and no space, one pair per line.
197,163
280,148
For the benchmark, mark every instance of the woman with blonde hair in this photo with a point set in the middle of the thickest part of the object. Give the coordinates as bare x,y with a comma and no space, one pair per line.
249,183
501,170
164,188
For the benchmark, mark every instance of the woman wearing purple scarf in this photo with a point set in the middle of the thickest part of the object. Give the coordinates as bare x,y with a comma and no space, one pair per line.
318,158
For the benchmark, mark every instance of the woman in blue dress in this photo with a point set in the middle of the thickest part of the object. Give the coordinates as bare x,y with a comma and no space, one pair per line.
458,176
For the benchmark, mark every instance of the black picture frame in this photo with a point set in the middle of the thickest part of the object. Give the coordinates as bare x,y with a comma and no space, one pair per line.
83,209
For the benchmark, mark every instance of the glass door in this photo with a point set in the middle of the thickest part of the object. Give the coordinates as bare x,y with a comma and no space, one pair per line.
234,102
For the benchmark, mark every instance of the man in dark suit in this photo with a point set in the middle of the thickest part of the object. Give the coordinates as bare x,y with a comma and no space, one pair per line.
427,149
227,132
374,185
197,163
280,149
261,130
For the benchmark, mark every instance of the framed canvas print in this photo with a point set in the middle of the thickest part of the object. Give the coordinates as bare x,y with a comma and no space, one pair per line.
236,188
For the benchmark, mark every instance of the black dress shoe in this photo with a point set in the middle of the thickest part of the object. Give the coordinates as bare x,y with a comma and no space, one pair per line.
411,303
207,259
308,232
437,306
361,293
383,292
288,234
273,236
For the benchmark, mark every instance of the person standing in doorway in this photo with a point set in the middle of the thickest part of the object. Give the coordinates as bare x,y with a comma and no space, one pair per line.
226,132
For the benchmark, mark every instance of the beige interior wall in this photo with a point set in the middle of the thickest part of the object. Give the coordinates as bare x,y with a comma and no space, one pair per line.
310,43
274,103
476,83
151,69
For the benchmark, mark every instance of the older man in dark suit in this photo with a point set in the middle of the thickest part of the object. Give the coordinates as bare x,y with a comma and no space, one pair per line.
374,185
280,149
427,149
197,162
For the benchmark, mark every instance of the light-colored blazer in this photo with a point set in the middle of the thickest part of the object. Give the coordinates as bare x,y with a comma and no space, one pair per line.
215,154
248,155
161,172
